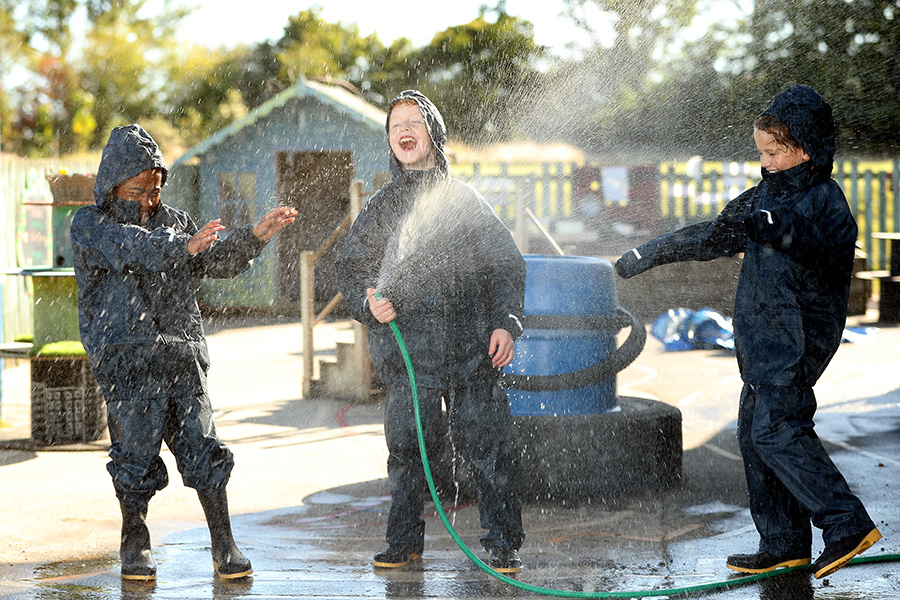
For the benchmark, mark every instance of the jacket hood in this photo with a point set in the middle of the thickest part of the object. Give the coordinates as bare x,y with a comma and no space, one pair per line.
129,151
809,119
436,129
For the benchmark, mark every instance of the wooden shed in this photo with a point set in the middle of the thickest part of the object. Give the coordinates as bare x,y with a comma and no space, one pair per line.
301,148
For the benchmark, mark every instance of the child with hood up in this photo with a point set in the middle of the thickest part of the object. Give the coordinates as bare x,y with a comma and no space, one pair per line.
135,263
454,280
798,237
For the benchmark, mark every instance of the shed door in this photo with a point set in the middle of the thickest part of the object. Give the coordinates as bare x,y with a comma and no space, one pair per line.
317,184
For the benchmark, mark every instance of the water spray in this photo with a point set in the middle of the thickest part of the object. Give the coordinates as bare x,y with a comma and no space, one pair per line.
692,589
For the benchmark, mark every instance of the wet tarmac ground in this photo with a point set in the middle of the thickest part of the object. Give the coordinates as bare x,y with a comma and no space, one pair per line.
310,497
324,551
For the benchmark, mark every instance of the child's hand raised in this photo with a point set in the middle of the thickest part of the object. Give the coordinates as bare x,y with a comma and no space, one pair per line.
204,238
273,221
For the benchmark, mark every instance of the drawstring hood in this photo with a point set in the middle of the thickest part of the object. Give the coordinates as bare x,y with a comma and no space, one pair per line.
129,152
809,119
437,131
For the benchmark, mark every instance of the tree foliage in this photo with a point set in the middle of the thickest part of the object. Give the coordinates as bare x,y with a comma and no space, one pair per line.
81,85
847,50
654,93
478,73
617,91
641,88
219,89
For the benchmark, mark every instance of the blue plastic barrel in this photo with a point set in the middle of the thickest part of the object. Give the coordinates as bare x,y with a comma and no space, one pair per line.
562,293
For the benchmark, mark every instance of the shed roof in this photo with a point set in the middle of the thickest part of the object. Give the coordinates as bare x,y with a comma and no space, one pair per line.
338,98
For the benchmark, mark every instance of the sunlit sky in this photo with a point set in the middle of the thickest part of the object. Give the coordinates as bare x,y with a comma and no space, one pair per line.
228,22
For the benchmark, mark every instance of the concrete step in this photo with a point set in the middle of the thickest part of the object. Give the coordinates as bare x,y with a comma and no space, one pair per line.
346,375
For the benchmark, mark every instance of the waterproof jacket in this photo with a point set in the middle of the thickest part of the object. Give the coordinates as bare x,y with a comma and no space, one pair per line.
798,237
435,248
137,308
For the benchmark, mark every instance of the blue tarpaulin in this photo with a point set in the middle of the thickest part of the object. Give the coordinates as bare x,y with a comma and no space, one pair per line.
682,329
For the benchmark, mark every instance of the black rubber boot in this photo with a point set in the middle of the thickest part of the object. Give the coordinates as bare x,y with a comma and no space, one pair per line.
228,561
394,556
134,549
763,562
839,553
505,560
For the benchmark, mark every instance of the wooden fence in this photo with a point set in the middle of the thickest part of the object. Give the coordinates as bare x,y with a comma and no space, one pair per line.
872,189
566,198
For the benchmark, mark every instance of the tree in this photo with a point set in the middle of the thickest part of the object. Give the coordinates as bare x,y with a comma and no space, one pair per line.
847,51
615,97
642,87
28,26
214,88
126,64
218,88
386,72
316,49
79,87
479,74
13,40
335,52
702,97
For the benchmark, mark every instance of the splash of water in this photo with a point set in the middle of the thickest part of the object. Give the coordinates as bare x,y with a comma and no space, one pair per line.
431,234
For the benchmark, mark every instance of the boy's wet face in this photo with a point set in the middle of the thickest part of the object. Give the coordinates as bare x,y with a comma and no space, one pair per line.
145,187
775,156
409,138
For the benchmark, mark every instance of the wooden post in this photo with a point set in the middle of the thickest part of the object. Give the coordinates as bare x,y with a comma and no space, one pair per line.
359,355
895,189
543,206
524,191
362,362
356,197
307,318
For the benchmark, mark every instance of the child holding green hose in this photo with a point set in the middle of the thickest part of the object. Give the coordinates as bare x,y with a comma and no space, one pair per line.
454,282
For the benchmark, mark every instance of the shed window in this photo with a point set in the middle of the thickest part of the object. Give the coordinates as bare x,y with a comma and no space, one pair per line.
237,199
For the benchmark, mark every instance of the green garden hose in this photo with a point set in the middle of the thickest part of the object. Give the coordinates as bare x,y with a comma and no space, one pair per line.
570,593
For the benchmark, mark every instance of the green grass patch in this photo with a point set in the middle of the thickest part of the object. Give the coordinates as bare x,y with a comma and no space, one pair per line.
63,348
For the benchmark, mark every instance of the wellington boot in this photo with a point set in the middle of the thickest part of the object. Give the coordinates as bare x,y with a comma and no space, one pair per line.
228,561
839,553
763,562
506,560
134,550
394,556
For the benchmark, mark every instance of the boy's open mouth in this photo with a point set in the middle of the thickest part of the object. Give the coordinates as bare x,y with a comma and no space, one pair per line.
407,143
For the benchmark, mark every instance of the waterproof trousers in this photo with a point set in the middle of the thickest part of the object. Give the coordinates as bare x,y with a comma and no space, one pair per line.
790,478
137,429
482,431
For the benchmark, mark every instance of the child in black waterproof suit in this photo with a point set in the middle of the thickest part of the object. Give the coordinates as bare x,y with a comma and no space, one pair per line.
798,238
453,279
136,260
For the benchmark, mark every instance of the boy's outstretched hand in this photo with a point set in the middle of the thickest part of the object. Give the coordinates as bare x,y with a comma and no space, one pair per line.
273,221
204,238
501,348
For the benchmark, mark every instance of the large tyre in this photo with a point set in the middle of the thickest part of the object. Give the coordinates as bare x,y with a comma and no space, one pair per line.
633,451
